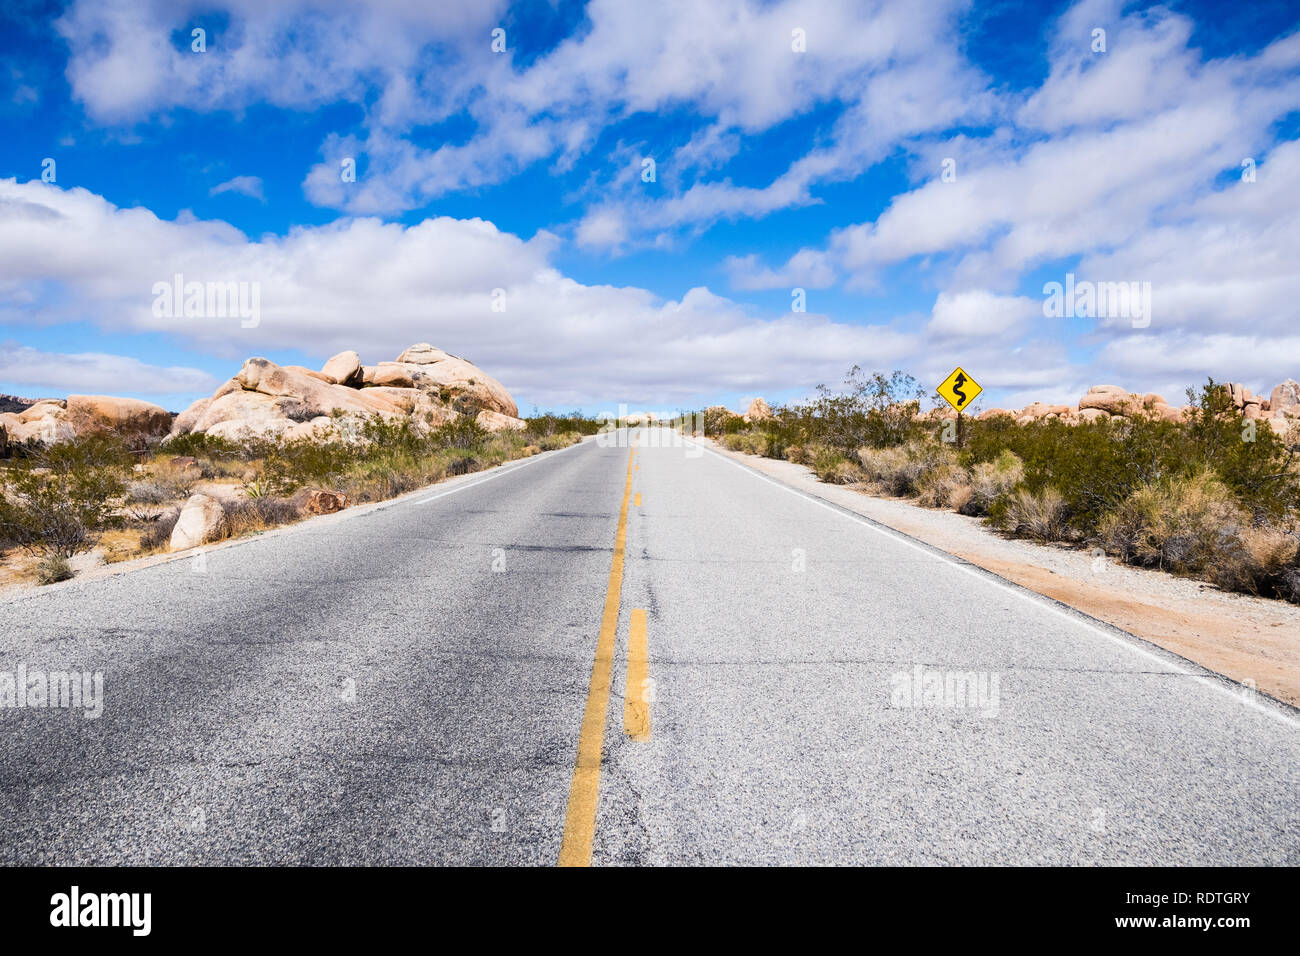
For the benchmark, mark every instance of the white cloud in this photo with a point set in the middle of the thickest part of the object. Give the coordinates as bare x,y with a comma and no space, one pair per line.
250,186
894,64
379,287
980,313
808,269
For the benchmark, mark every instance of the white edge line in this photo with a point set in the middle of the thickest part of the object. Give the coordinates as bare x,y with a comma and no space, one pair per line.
1024,594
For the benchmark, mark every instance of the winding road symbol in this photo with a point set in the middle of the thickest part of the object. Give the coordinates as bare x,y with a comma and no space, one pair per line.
959,389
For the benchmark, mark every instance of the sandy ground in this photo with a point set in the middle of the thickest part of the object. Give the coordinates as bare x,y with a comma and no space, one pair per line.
1249,639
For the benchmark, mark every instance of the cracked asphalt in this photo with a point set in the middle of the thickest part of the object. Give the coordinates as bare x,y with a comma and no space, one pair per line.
407,684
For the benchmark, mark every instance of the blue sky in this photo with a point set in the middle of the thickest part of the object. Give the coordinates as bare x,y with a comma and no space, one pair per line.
796,145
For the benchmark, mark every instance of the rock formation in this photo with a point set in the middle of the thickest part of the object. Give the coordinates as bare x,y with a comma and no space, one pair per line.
1281,410
51,420
758,411
426,386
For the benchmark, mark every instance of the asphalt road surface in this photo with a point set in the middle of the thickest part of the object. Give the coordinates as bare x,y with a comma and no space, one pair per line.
445,680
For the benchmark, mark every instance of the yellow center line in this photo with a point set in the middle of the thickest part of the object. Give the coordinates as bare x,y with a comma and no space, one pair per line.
584,789
636,695
638,499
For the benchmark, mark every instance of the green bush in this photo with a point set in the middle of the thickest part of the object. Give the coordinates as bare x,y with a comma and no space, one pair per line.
199,445
59,499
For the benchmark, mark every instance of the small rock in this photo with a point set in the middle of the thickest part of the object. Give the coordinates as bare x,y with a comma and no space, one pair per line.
319,502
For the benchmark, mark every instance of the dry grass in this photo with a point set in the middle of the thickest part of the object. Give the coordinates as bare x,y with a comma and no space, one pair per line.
991,480
51,569
120,545
251,515
1033,514
902,469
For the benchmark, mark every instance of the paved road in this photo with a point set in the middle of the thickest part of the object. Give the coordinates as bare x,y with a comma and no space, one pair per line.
411,685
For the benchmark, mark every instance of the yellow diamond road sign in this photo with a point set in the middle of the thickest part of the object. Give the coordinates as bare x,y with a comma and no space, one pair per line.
959,389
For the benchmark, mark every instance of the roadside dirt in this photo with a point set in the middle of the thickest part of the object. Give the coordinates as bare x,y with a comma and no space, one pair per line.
1245,638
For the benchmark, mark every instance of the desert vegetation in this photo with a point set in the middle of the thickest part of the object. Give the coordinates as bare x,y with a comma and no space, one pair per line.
123,497
1211,493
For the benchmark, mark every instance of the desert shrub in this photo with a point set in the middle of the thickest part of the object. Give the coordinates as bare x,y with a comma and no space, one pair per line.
946,486
462,464
158,534
147,493
1031,514
52,569
875,411
200,445
463,432
549,423
899,470
556,441
1182,525
749,442
886,467
58,499
991,480
1259,561
839,471
246,515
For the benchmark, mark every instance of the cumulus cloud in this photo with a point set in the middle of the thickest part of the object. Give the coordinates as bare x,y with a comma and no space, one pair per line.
977,312
379,287
894,65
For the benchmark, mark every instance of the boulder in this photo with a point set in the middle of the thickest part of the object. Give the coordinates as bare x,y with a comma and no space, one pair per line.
993,413
242,414
315,396
1285,395
201,520
343,369
185,421
309,372
44,422
45,408
88,413
1092,414
495,421
459,376
1037,410
396,375
758,411
317,502
1169,413
317,429
1110,399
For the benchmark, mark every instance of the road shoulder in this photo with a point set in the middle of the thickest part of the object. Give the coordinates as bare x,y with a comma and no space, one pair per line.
1247,639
